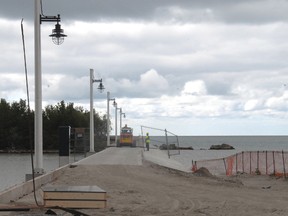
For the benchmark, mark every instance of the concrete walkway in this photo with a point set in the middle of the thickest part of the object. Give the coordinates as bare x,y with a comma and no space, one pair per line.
132,156
160,157
114,156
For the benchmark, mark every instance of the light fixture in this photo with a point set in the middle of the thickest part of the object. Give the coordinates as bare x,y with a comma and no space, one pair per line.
114,104
101,86
57,33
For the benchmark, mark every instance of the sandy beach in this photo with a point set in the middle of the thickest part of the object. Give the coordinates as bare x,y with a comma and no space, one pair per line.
150,189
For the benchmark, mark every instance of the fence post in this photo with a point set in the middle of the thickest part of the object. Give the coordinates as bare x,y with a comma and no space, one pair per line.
283,164
194,166
250,162
258,160
143,141
225,166
236,163
168,150
266,162
243,161
274,163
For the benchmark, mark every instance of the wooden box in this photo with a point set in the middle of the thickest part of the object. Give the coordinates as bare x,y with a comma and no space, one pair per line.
74,196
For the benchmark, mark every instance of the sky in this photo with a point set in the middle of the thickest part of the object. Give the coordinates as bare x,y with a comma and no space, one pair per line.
192,67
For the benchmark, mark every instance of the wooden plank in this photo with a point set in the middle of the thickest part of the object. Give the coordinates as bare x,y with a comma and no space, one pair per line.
88,189
13,207
74,195
75,203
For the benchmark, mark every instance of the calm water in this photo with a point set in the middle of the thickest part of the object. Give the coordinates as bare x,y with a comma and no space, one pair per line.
14,167
241,143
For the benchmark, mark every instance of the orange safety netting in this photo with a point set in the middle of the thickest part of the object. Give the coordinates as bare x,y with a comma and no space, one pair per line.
253,162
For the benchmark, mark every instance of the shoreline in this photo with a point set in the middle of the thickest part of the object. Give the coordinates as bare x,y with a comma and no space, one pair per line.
26,151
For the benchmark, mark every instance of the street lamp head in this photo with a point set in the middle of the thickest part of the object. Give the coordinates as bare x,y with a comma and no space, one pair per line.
114,104
58,34
124,115
101,87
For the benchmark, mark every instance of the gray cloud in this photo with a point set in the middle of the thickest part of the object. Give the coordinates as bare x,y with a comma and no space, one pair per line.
182,11
166,62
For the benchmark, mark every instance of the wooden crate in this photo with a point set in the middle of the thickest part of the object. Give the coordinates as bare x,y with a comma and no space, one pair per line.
74,196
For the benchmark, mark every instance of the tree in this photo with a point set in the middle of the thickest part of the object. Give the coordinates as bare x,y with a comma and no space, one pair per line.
61,115
16,124
5,113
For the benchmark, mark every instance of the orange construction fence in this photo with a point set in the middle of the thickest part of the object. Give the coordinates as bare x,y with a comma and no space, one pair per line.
252,162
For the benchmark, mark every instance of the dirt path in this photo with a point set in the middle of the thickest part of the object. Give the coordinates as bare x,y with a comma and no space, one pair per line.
153,190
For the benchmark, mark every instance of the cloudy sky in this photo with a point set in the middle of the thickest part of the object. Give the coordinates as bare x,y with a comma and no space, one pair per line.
193,67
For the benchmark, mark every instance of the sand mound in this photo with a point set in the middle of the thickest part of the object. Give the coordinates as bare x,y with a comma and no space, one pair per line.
203,172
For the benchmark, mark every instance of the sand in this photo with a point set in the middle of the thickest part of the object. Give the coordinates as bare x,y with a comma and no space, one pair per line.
150,189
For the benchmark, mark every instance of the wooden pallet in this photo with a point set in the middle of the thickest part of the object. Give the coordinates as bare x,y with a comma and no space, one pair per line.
74,196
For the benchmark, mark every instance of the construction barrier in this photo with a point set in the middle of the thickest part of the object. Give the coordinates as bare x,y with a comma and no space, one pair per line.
161,138
252,162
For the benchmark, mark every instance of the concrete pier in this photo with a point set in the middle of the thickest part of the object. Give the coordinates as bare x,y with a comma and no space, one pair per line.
22,193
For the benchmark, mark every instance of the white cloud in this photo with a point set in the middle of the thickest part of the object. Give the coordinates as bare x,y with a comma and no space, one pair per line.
152,81
168,63
196,87
278,103
251,105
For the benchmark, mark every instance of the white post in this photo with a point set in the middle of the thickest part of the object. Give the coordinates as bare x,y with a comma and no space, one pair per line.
108,120
38,137
91,113
120,119
116,124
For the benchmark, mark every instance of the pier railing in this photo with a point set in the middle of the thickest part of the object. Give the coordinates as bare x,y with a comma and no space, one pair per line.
251,162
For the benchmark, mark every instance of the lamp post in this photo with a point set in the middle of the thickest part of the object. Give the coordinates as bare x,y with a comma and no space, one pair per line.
121,113
57,35
116,109
108,117
101,88
115,105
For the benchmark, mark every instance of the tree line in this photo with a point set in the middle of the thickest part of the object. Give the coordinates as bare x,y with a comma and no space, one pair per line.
17,124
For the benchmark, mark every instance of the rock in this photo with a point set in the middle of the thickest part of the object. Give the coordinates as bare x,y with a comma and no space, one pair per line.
171,147
221,147
163,147
174,147
186,148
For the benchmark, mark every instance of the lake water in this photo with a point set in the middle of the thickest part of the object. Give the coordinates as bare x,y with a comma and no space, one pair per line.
241,143
14,167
